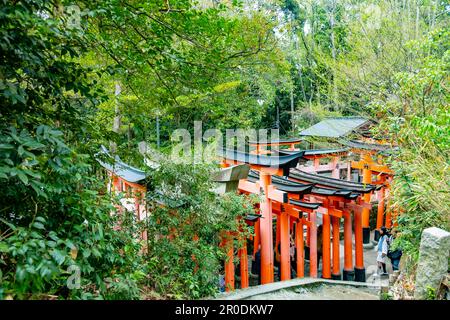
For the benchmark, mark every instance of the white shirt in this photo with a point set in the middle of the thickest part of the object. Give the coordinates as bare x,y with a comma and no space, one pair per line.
384,249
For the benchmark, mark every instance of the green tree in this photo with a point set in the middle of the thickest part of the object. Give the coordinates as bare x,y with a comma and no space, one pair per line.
54,211
420,125
185,230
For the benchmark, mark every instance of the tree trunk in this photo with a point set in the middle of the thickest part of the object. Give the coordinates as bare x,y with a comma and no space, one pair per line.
292,111
118,117
333,51
417,21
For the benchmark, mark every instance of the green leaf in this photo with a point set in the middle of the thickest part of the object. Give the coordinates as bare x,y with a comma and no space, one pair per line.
86,253
22,177
38,225
20,273
40,219
20,150
6,146
4,247
70,244
58,256
13,227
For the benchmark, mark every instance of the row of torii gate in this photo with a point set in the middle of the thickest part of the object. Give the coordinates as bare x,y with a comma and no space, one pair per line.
295,196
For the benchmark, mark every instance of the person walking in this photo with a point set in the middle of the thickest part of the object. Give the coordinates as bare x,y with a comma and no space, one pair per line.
382,250
394,255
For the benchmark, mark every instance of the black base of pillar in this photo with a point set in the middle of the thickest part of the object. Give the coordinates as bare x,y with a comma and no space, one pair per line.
336,277
376,235
360,275
306,253
366,235
348,275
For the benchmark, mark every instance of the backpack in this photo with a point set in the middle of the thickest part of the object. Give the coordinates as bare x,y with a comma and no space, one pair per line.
393,254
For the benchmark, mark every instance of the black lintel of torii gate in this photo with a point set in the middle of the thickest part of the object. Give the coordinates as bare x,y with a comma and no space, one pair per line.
284,162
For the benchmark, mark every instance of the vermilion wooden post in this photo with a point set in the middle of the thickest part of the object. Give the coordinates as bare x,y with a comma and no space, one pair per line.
118,184
285,244
277,238
367,179
115,183
244,264
266,231
380,210
360,272
336,272
256,238
300,249
348,259
308,228
229,263
313,246
326,263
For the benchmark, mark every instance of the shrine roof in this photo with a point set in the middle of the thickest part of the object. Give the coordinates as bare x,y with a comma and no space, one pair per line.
336,127
121,169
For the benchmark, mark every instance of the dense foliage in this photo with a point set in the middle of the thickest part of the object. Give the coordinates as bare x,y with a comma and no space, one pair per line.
54,217
388,60
420,125
185,230
55,210
215,64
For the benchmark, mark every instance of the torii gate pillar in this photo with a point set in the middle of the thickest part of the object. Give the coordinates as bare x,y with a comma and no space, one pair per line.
348,273
266,232
367,179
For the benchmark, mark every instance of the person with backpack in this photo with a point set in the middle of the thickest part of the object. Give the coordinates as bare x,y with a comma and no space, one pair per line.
394,255
382,251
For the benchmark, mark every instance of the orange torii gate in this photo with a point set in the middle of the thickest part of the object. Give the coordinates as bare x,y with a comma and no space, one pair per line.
342,128
267,166
369,166
334,205
289,205
284,212
315,155
124,178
